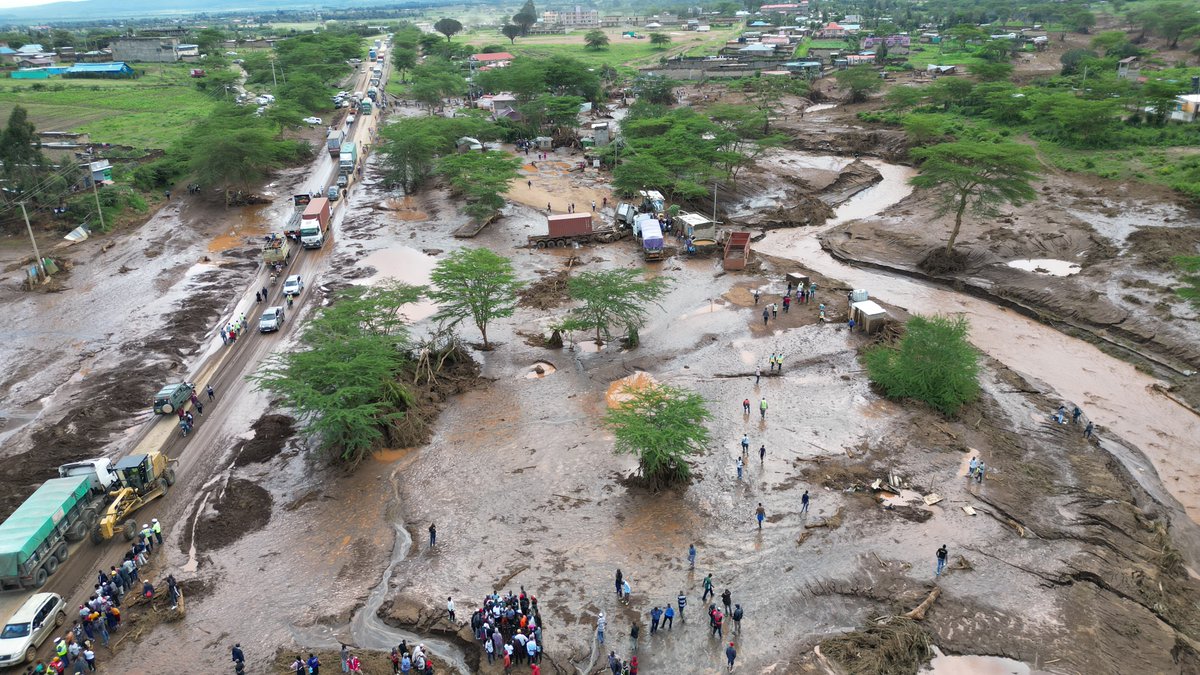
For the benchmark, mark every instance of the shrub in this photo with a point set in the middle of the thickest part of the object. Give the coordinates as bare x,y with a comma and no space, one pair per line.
933,363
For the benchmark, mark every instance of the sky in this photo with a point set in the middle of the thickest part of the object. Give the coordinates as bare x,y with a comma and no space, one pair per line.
9,4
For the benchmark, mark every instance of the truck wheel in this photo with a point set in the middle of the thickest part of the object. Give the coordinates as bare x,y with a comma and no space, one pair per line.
62,554
97,536
40,577
541,244
169,474
78,531
164,484
130,529
51,565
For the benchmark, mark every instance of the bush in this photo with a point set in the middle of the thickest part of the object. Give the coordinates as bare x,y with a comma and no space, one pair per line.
933,363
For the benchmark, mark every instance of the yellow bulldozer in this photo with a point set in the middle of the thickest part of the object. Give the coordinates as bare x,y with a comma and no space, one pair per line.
140,480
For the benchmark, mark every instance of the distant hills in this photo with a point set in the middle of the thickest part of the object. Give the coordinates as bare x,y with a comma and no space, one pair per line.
83,10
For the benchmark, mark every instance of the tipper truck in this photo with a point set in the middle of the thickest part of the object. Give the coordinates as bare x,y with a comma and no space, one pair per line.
333,141
348,158
565,228
300,202
34,540
276,250
314,223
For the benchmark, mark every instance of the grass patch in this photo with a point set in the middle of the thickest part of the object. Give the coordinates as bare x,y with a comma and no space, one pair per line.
151,111
622,52
924,55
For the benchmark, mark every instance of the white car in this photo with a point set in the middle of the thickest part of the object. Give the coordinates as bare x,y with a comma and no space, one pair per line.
271,320
29,627
349,120
269,97
231,54
313,120
293,285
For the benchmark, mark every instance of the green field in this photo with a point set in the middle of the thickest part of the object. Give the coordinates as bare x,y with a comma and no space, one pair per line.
621,51
932,54
151,111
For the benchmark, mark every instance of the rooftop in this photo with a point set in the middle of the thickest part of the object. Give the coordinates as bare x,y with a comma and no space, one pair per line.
498,56
110,67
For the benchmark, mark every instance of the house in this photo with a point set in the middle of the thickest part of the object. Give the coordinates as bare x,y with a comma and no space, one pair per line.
759,24
889,41
493,60
187,51
775,40
94,56
600,133
96,172
783,8
576,17
146,49
941,70
31,49
757,49
112,69
860,60
809,69
35,62
930,38
832,30
1129,68
1187,108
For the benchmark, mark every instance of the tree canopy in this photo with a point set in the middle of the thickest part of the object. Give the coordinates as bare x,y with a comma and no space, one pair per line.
595,39
860,81
933,363
662,426
448,27
976,174
608,298
474,283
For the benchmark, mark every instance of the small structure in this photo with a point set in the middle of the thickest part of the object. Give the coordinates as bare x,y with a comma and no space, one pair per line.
757,49
544,143
99,171
796,280
809,69
493,60
112,69
941,70
145,49
600,133
467,144
737,251
31,74
35,62
1129,68
868,317
187,51
1187,108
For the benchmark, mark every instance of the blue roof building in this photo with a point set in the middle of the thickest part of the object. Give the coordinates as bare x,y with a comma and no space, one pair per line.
110,69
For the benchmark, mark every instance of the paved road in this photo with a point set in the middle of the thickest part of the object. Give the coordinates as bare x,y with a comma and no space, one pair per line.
226,369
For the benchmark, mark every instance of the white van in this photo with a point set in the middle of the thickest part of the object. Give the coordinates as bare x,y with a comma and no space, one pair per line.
29,627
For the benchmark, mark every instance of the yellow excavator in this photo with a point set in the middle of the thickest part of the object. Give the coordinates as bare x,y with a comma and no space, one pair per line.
140,480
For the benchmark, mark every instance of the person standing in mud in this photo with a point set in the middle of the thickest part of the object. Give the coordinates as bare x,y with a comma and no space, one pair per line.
600,623
212,395
655,617
942,553
731,654
432,535
762,453
708,588
634,631
804,503
1087,431
450,609
668,616
762,408
746,402
727,600
691,556
237,655
740,465
619,581
737,619
759,513
681,600
766,317
745,443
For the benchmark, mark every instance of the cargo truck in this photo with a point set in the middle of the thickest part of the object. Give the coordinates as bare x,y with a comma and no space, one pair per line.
371,55
300,203
650,233
334,140
364,108
34,540
348,157
315,223
566,228
276,250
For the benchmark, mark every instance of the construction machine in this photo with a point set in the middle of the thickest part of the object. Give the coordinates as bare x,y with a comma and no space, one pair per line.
140,480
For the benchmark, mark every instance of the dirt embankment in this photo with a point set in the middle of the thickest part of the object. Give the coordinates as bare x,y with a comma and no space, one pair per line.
1130,603
271,434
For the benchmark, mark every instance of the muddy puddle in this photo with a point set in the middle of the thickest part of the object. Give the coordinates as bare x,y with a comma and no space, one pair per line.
242,227
407,265
1046,266
540,370
943,664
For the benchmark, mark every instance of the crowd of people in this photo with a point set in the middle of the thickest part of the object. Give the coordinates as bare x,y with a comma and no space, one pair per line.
508,628
100,616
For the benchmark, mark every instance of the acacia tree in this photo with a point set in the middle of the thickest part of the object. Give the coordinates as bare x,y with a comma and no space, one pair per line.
860,81
612,297
344,383
976,174
595,39
448,27
662,425
512,31
660,39
475,283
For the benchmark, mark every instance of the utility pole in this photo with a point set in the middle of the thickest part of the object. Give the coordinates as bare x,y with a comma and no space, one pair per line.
714,201
273,81
96,194
41,266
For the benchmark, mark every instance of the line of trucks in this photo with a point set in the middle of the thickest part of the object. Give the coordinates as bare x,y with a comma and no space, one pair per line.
93,498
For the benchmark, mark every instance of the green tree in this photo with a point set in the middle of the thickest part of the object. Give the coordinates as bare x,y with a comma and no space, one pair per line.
285,115
526,17
934,363
1170,20
404,59
1110,42
1080,20
305,90
977,175
660,39
481,178
1072,60
474,283
512,31
448,27
654,89
991,71
209,39
1189,287
344,382
640,172
903,97
617,297
922,129
662,426
860,81
765,92
595,39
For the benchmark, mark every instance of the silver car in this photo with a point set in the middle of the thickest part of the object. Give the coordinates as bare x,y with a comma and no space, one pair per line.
271,320
29,627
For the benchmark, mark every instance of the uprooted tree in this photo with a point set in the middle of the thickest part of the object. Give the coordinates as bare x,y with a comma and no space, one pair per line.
352,383
661,425
933,363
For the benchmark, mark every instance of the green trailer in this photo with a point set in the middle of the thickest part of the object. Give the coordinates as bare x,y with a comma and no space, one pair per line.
34,539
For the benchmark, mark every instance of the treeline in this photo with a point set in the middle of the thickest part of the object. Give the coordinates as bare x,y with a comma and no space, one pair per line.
233,148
